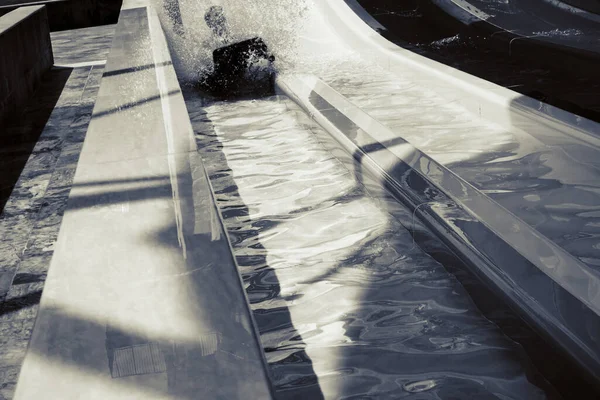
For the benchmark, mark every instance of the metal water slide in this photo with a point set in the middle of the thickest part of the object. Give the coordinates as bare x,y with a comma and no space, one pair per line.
521,250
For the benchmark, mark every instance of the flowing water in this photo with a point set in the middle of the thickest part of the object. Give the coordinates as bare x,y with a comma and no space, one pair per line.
347,305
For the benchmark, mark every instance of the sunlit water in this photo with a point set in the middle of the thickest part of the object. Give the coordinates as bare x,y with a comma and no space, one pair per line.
347,305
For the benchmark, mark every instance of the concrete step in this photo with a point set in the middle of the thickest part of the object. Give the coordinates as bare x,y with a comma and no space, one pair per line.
38,157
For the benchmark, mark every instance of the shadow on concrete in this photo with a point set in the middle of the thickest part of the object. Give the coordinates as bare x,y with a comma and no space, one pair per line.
121,181
19,136
174,367
18,303
181,369
136,69
118,196
134,104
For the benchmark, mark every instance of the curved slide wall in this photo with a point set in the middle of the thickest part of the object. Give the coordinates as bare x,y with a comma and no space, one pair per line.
553,290
485,99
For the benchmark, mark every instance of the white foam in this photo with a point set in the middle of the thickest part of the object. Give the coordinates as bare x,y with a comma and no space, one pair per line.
294,30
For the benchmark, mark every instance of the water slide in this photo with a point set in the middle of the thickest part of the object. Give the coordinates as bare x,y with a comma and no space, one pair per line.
301,245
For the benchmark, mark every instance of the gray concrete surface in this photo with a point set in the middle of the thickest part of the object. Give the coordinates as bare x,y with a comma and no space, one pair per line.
43,168
22,66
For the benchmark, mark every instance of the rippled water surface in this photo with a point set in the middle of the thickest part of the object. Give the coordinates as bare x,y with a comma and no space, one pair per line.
554,186
347,305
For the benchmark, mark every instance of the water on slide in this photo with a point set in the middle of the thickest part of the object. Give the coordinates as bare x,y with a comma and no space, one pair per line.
347,305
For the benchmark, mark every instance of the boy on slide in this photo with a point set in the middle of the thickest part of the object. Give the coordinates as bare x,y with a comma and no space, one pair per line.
239,68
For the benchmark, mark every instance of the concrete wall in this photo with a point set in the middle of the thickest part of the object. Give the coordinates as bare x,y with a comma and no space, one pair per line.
71,14
26,55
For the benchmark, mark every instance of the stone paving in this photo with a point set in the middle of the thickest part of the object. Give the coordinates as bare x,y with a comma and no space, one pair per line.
45,165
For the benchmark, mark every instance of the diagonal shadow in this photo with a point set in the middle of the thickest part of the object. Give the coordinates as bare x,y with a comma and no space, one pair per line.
18,303
175,368
121,181
130,105
347,362
222,361
25,129
118,196
125,71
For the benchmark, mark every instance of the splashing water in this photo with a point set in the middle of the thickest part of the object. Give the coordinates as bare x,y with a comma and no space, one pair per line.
285,25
